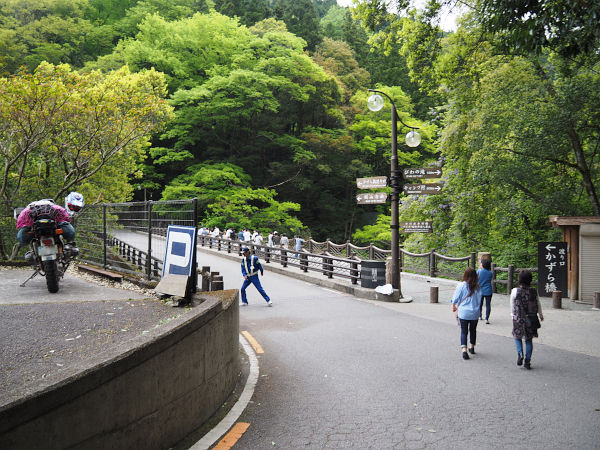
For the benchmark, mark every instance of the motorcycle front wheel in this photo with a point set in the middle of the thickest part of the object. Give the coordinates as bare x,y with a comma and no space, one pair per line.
51,276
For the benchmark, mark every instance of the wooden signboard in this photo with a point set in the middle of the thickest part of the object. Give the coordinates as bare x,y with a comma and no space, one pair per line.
371,183
552,268
432,172
369,199
422,189
416,227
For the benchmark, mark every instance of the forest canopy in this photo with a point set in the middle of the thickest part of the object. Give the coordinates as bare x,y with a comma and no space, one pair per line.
258,108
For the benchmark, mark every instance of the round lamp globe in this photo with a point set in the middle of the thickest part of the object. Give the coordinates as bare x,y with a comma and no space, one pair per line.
413,138
375,102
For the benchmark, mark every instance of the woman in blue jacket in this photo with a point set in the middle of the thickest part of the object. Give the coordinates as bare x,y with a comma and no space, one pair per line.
485,281
466,303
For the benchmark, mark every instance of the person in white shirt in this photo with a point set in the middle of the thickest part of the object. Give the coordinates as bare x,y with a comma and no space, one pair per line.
215,232
284,241
254,235
270,239
228,233
258,240
247,236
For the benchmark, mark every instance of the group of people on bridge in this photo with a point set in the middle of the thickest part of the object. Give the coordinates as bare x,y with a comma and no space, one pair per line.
255,237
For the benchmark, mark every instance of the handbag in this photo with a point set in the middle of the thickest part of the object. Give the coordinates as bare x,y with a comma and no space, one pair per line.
532,322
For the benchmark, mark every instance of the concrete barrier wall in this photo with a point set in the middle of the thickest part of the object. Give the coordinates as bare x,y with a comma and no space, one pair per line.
148,393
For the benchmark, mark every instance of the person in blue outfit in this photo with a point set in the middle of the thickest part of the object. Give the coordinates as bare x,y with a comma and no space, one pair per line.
485,281
466,303
250,268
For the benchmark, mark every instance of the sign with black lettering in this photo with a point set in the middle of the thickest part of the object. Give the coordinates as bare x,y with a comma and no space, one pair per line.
369,199
432,172
422,189
416,227
371,183
553,271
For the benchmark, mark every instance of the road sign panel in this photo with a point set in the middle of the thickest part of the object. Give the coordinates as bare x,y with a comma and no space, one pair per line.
553,271
431,172
422,189
416,227
371,183
369,199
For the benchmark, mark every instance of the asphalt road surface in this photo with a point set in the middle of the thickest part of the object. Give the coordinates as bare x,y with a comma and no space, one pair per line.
338,372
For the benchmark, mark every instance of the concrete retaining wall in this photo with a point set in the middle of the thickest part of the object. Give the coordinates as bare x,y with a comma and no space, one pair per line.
149,393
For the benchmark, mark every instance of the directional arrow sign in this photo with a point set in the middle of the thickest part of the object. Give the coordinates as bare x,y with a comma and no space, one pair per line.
422,189
432,172
371,183
369,199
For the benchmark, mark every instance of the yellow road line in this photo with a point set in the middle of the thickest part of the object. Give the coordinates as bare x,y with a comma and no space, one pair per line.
253,343
232,437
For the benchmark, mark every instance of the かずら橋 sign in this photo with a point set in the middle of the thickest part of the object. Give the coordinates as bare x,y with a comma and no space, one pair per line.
553,271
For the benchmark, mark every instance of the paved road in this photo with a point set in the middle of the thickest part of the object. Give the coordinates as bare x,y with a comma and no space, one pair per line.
339,372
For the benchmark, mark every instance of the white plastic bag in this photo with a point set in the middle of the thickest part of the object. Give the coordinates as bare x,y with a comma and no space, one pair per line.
385,289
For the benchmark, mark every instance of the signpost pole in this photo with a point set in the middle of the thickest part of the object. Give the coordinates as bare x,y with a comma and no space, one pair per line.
394,203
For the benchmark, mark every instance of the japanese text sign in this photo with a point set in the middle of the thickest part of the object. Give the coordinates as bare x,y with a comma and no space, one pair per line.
422,189
552,268
368,199
371,183
416,227
432,172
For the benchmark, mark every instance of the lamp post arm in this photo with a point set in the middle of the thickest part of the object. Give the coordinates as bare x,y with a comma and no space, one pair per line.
392,102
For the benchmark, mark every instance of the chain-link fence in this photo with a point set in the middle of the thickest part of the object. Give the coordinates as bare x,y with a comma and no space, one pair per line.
131,237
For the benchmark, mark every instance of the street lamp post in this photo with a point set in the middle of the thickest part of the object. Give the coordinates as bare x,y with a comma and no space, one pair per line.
375,103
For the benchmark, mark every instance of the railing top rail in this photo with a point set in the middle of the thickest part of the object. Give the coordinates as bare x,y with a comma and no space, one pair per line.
448,258
159,202
416,255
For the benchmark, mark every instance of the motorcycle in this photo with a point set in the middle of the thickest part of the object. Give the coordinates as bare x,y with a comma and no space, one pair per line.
49,255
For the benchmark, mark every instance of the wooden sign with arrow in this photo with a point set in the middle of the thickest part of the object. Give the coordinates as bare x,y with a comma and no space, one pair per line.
432,172
369,199
422,189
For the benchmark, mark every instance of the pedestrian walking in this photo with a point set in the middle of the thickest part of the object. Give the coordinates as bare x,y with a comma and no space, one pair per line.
247,235
276,239
270,239
525,309
298,244
258,239
250,268
485,275
285,242
466,303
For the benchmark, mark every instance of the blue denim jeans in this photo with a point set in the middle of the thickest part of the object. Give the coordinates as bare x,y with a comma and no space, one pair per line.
256,282
68,234
465,327
528,348
488,306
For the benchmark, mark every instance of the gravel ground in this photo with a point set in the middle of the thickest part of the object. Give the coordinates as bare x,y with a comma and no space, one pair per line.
40,339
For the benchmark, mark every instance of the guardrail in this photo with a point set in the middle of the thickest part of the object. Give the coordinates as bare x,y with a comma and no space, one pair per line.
344,260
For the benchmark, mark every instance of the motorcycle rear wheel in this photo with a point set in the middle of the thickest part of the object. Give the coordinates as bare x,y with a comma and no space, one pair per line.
51,276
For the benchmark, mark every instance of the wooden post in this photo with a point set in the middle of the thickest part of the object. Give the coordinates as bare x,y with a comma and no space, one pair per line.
432,264
268,254
557,299
217,283
348,250
474,260
206,278
371,251
596,301
511,276
354,272
303,261
494,285
433,294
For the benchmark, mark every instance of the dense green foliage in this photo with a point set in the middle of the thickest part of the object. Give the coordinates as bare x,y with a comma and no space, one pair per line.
269,126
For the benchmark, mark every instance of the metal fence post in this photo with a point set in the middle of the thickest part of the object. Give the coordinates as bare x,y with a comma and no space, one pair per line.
195,257
149,257
104,235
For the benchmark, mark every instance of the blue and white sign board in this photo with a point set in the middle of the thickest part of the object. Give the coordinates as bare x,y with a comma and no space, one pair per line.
181,246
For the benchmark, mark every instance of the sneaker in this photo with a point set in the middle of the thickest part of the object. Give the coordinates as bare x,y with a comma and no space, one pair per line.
520,360
270,303
472,350
527,364
244,303
465,355
487,321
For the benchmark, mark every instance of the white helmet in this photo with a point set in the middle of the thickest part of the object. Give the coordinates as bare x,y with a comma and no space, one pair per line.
74,202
